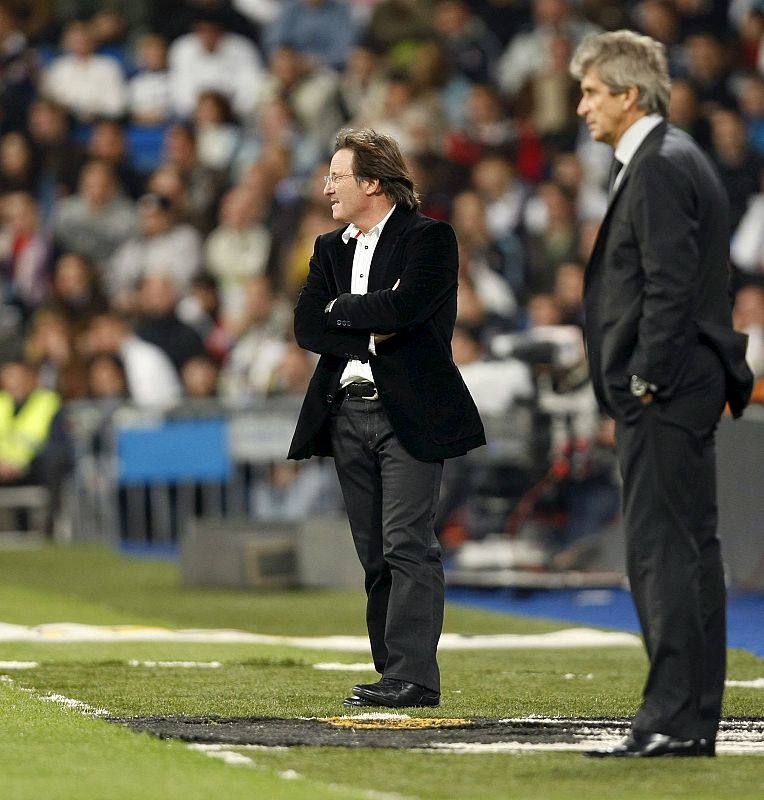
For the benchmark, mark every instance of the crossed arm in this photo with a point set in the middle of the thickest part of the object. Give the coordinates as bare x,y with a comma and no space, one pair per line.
341,325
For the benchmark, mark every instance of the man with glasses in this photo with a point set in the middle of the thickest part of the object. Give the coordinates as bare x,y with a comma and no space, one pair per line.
386,400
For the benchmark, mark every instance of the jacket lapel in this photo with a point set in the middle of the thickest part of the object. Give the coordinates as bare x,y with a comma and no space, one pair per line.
344,270
651,140
386,246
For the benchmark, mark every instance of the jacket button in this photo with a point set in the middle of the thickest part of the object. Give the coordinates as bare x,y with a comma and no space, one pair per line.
339,322
330,398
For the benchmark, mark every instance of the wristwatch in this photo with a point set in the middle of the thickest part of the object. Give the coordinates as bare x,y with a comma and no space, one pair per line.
639,387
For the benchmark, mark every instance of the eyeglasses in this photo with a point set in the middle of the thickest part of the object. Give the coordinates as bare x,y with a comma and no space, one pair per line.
333,180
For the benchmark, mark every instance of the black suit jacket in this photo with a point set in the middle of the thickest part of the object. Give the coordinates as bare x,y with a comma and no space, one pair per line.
425,398
657,282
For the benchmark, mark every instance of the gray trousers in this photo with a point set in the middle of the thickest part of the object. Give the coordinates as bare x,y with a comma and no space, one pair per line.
391,500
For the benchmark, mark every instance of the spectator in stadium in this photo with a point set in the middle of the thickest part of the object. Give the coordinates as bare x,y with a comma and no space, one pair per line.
108,143
371,385
106,379
76,291
58,158
487,128
472,47
85,83
202,186
108,27
49,349
157,321
503,193
707,68
529,52
664,359
293,268
748,317
211,57
661,19
18,168
18,71
495,268
412,113
222,144
136,14
323,30
260,342
33,447
740,166
200,308
549,97
291,375
148,90
152,379
162,246
397,28
568,293
551,237
750,92
311,91
685,112
25,253
96,220
237,249
362,83
200,376
284,219
590,198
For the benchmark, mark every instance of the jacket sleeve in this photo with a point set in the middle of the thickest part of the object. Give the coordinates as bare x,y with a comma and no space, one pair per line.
429,276
311,331
666,228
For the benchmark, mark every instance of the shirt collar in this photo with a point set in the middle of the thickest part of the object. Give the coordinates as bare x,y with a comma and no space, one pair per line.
353,232
634,135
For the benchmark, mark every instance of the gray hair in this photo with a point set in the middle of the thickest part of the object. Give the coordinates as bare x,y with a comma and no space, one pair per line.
377,156
623,59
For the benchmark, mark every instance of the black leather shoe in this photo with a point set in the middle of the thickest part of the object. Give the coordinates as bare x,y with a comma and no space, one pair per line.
358,702
654,745
397,694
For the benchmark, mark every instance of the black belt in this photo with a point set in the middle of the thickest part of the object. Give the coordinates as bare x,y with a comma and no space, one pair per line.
363,389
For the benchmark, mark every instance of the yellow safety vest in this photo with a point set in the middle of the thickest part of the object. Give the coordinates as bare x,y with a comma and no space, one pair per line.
23,434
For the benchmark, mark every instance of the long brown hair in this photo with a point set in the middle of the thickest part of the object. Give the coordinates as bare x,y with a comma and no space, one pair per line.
377,156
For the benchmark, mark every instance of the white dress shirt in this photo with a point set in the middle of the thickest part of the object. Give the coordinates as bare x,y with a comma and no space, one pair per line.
366,244
632,138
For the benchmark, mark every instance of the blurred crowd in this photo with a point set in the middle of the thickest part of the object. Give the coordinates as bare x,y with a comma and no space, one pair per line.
161,183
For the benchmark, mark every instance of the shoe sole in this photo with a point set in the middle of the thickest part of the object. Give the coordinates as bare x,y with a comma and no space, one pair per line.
358,702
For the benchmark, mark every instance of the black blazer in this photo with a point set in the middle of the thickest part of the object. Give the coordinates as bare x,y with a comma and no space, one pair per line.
657,282
421,389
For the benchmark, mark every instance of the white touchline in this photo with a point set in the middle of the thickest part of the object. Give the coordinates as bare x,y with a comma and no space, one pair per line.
19,664
59,699
74,632
340,666
177,664
756,683
77,705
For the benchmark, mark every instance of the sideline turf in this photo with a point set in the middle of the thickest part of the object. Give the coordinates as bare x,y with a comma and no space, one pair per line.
50,752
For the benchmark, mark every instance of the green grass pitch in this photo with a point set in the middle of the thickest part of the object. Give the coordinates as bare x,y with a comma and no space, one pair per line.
49,751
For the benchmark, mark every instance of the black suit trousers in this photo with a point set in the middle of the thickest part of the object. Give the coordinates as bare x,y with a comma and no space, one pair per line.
391,499
667,461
